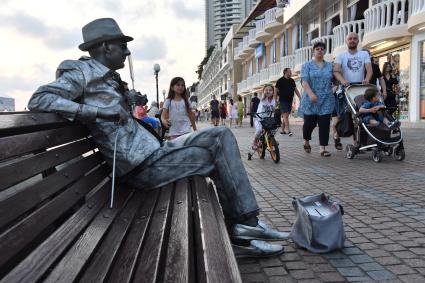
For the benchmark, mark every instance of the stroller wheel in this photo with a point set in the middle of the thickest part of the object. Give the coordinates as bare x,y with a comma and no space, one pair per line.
350,151
389,151
399,153
377,156
249,156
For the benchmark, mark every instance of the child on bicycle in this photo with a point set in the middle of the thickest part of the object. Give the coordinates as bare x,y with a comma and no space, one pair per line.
267,104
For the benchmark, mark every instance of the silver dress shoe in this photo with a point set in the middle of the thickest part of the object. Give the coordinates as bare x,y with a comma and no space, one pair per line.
259,232
257,249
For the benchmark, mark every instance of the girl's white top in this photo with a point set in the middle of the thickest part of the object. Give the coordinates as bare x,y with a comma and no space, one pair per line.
180,122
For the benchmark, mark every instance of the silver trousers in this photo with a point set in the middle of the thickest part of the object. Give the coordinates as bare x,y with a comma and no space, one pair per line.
213,153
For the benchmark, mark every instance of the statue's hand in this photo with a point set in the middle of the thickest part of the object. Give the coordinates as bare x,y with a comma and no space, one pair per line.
113,113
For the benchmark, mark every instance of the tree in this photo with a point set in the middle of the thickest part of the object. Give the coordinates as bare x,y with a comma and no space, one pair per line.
204,61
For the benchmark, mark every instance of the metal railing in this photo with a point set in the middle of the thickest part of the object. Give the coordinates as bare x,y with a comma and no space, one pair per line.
386,14
341,32
327,40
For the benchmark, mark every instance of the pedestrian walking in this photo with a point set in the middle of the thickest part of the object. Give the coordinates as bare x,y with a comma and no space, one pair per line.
177,115
349,68
240,107
253,107
392,87
285,89
317,102
233,113
223,113
215,111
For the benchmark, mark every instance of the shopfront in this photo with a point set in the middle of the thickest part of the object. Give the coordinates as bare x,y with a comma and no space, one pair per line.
400,61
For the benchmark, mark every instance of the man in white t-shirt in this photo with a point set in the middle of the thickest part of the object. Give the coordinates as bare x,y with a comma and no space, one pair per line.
349,68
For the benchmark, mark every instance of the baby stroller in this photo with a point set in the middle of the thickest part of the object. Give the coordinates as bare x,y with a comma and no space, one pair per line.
378,139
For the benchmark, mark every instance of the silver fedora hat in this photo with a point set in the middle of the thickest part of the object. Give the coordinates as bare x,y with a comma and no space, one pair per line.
100,30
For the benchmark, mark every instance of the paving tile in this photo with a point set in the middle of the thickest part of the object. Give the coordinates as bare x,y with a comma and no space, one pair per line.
371,266
350,271
274,271
331,277
381,275
253,277
361,258
400,269
344,262
412,278
302,274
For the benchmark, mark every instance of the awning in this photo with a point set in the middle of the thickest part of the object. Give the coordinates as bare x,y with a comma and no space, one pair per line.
259,9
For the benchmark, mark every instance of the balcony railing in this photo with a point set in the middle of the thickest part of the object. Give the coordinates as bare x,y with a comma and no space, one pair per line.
249,82
252,40
238,50
260,26
385,14
341,32
288,61
270,16
327,40
302,55
246,47
275,71
416,6
264,75
417,13
256,80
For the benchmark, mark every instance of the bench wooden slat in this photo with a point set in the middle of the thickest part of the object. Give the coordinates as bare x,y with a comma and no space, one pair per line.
18,123
179,265
70,266
211,264
22,201
102,260
149,260
17,237
126,259
13,173
17,145
37,264
230,255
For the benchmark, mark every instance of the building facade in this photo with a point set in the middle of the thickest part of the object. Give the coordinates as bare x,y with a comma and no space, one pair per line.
393,30
220,15
220,73
7,103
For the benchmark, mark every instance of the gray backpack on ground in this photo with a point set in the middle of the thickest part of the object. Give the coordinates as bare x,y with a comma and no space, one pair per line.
318,226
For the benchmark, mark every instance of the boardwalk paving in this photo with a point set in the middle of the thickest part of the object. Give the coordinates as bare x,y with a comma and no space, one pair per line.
384,207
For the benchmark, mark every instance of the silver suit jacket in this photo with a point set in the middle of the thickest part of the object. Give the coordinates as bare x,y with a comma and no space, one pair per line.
80,88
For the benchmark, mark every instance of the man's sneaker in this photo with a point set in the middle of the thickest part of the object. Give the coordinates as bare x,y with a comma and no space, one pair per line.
257,249
259,232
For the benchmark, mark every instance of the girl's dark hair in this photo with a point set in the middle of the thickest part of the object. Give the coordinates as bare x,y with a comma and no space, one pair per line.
172,94
319,44
370,93
231,101
386,64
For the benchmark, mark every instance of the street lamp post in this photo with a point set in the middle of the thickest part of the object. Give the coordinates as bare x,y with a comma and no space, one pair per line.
156,69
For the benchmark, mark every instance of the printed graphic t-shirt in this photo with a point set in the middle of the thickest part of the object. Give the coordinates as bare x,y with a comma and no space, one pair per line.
353,65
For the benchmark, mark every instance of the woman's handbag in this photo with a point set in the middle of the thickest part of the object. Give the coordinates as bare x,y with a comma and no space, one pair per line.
345,126
318,226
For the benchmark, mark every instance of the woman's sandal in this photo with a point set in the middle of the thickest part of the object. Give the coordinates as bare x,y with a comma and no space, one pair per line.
338,144
325,153
307,148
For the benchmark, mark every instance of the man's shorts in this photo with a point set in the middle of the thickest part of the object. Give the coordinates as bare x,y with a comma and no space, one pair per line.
215,115
285,106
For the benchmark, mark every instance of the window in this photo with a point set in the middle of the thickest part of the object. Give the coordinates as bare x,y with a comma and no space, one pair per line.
332,10
282,45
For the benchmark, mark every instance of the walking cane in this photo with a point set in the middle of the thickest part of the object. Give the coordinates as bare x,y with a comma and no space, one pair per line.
130,65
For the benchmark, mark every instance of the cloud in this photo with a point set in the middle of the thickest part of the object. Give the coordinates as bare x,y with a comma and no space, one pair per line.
181,10
53,37
151,48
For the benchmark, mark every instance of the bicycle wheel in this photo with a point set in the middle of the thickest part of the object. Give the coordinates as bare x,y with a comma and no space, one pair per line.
273,147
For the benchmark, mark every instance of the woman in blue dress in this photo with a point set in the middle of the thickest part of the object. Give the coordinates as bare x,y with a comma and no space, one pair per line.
318,101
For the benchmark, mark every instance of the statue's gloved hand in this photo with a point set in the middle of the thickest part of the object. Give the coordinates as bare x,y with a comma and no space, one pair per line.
136,98
113,113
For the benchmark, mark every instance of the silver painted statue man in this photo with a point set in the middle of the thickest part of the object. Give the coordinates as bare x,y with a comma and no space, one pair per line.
90,90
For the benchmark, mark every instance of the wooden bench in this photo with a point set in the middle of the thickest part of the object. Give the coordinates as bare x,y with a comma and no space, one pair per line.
56,224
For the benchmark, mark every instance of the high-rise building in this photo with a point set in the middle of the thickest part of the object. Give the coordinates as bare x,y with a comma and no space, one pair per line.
7,103
220,15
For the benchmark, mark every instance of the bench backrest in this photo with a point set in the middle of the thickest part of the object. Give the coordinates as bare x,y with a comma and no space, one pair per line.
48,166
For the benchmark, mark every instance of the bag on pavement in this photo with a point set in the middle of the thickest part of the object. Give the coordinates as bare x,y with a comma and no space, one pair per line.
318,226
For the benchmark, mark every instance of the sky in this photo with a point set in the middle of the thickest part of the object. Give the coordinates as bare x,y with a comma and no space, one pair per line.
35,36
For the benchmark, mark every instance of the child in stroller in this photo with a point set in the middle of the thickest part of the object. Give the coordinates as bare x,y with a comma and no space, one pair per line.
372,110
